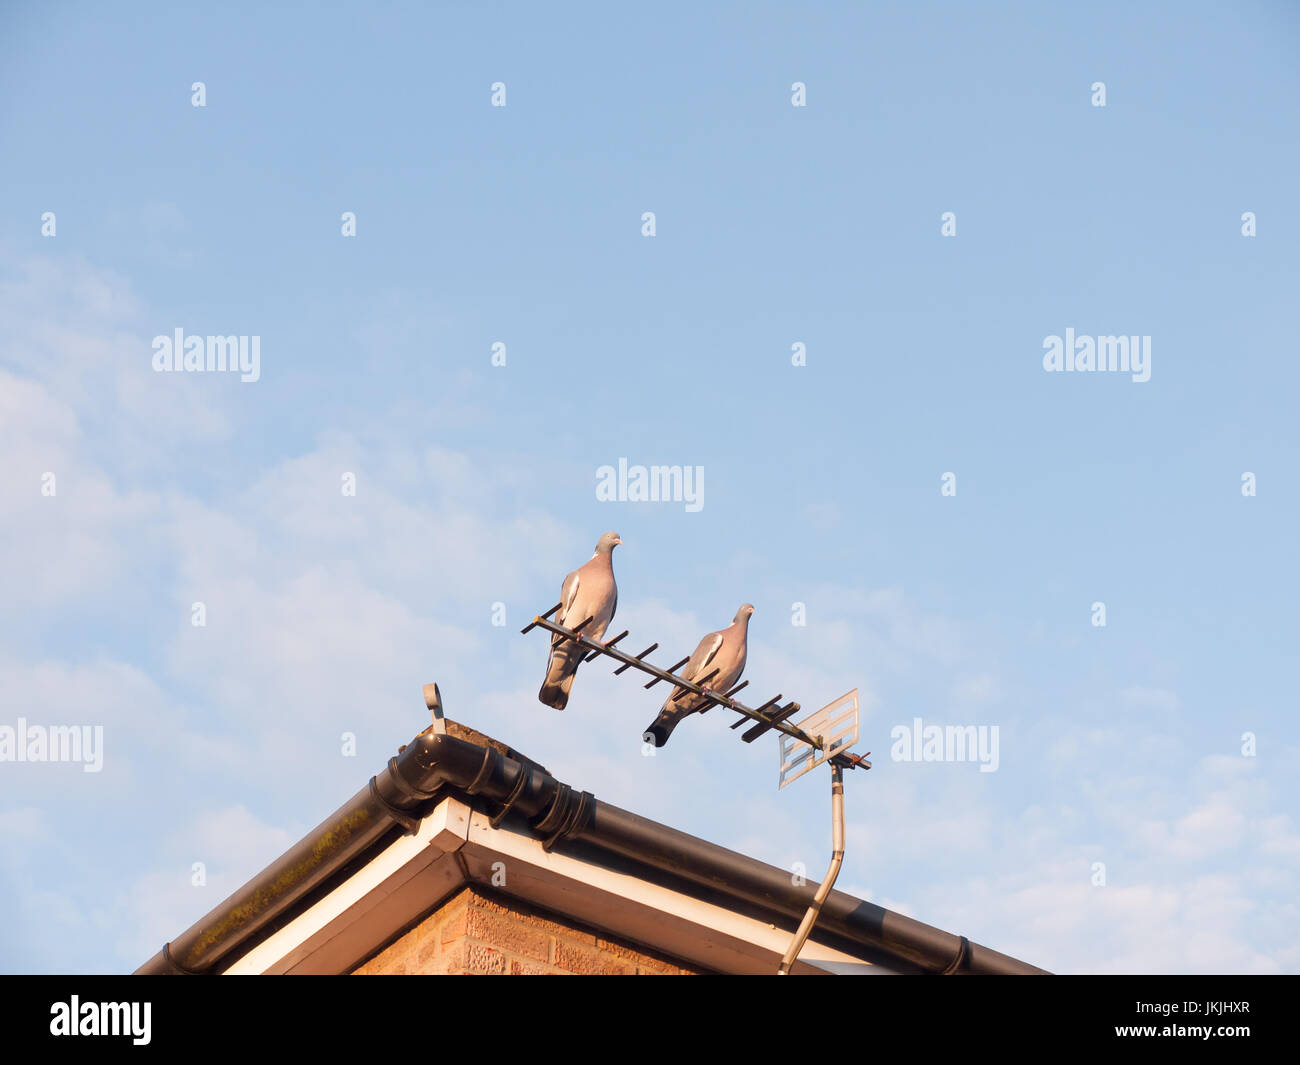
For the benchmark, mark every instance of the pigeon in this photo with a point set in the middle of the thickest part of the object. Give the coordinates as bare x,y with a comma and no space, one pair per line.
588,592
723,651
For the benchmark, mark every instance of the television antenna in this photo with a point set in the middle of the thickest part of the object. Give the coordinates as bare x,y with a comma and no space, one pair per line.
820,738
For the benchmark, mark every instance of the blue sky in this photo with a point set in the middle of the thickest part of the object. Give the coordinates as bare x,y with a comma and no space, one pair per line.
775,225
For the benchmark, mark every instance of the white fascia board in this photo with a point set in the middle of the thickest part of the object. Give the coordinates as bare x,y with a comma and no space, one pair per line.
427,854
634,908
414,873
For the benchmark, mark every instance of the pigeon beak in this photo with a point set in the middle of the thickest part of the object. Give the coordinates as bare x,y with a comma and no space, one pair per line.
617,540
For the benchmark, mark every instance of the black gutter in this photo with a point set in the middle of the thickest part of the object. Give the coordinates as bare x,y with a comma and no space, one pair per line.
433,763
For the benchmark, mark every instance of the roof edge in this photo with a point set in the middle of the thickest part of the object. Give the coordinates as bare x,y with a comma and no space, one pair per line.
434,764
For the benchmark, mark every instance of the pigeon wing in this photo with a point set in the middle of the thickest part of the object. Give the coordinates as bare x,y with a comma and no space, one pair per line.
698,664
568,593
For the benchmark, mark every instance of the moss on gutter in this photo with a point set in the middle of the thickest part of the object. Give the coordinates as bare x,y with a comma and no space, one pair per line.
324,847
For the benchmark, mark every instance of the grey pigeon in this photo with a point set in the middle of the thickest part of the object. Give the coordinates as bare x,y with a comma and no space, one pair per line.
723,651
588,592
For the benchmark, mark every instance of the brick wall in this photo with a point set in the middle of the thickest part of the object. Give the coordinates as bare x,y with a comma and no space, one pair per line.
483,932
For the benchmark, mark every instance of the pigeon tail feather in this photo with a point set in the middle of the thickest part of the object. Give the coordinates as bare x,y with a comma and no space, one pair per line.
661,728
555,695
559,681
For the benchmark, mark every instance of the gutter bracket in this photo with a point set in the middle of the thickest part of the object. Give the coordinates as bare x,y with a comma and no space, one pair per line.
574,823
567,815
484,771
176,967
963,955
401,817
508,803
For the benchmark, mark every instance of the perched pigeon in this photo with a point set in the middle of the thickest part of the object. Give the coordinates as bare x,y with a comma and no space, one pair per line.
588,592
723,651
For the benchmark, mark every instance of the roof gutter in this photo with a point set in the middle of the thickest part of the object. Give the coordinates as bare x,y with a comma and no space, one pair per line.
433,762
